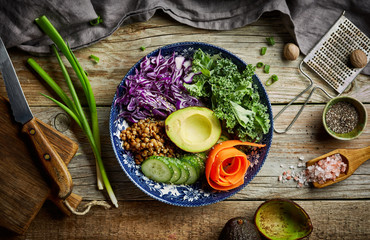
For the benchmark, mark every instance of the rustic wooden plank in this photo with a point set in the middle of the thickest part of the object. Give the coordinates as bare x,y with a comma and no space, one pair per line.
21,174
329,208
121,51
307,139
331,220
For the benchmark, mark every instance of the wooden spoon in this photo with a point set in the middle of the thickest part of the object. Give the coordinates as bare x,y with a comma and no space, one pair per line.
352,157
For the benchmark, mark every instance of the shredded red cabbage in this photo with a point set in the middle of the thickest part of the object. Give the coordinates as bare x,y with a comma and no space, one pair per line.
156,89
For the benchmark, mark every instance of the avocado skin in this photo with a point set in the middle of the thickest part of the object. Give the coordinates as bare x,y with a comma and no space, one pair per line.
239,228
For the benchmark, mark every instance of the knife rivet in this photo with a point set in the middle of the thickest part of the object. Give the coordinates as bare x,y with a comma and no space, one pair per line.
46,156
32,131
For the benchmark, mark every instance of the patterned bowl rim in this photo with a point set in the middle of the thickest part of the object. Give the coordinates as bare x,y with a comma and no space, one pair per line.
261,89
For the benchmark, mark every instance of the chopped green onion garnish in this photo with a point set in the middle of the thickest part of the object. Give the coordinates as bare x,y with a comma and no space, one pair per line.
266,68
95,58
274,78
259,64
142,48
271,80
263,50
96,21
270,41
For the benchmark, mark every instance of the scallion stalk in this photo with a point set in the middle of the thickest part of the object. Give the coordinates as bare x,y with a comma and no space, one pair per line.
54,35
65,108
36,67
93,132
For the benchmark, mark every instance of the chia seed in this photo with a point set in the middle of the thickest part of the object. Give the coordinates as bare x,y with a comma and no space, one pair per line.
342,117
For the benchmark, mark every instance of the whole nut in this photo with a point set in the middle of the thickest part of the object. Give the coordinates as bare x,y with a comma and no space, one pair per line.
291,51
358,58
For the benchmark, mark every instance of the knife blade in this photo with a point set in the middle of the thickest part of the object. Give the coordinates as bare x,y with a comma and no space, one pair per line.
50,159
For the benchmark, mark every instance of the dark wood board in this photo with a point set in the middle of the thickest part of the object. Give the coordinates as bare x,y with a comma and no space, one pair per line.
23,188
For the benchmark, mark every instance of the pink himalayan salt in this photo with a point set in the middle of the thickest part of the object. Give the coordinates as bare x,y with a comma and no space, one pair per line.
326,169
305,176
297,176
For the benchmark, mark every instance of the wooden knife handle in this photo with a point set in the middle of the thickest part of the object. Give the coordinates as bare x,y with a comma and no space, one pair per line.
50,159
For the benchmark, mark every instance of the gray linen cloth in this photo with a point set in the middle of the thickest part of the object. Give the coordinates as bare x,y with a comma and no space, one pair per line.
306,20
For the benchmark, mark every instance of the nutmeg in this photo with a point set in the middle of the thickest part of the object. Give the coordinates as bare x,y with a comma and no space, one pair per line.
358,58
291,51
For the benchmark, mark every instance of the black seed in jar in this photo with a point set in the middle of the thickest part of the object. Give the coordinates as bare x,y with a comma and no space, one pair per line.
342,117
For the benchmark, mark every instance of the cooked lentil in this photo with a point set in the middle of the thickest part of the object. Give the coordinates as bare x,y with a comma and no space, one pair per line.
147,138
342,117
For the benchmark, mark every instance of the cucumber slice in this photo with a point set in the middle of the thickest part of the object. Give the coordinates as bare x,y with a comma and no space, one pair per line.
201,158
184,174
157,169
193,173
193,161
176,169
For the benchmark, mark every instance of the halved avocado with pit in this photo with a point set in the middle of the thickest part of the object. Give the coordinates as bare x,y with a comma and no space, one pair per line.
193,129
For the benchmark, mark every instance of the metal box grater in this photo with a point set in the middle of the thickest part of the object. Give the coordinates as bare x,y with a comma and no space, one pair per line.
329,58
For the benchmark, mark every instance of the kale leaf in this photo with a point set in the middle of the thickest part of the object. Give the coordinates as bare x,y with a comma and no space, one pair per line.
231,94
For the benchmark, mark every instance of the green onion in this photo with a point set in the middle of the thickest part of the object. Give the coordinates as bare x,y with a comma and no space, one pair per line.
142,48
76,108
259,64
65,108
70,104
271,80
270,41
96,21
266,68
95,58
263,50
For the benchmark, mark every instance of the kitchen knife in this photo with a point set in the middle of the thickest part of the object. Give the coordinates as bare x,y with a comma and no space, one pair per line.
54,165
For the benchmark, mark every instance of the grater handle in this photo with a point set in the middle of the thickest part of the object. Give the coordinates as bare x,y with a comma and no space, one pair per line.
299,95
300,110
293,100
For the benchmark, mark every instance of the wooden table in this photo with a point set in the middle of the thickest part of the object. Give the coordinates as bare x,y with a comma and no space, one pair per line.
341,211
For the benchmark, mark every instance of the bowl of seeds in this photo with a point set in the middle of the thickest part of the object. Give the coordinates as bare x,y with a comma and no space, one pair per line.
344,118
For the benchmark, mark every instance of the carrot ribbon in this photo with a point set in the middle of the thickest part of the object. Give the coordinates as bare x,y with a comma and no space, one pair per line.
226,166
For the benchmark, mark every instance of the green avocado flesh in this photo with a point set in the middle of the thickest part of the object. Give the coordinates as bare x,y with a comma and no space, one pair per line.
282,220
193,129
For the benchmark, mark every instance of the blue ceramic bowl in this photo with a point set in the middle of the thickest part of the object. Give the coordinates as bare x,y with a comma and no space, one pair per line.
198,194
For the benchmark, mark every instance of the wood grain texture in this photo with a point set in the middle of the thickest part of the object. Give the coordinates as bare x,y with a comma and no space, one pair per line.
337,220
52,163
340,211
23,188
66,150
306,139
73,200
121,51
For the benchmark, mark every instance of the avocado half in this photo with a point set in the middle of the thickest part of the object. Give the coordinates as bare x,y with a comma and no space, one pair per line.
193,129
239,228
